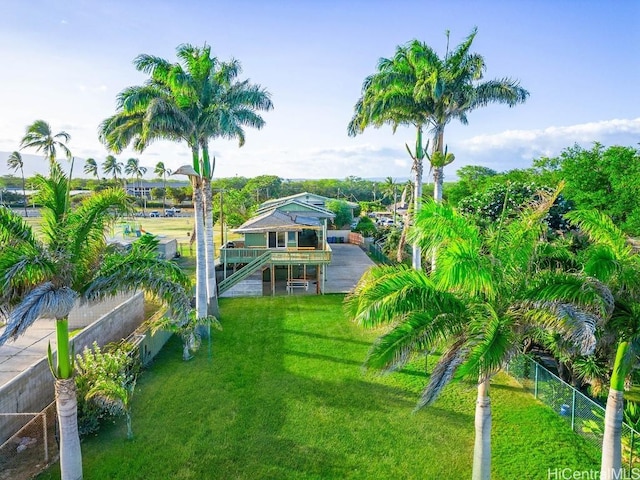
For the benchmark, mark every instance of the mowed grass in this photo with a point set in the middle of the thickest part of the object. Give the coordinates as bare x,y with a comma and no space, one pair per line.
282,395
180,228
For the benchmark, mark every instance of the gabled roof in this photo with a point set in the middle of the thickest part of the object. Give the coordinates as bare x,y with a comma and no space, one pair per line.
312,210
304,197
276,221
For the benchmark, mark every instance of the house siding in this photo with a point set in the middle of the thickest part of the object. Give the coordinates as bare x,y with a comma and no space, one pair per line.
255,240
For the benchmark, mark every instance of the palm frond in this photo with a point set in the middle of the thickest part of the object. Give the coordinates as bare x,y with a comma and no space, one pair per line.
415,334
384,294
601,229
142,269
14,229
443,372
492,343
44,301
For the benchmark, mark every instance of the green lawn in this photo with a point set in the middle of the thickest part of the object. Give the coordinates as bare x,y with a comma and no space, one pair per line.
283,396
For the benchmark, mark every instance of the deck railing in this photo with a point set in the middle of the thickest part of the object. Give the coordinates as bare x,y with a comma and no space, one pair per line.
284,256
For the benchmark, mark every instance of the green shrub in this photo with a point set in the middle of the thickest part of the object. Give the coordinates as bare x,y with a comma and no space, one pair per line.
116,364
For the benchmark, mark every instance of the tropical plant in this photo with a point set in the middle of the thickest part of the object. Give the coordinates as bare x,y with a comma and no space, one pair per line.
40,137
475,307
105,381
195,101
611,259
91,168
163,171
43,278
416,87
15,163
112,167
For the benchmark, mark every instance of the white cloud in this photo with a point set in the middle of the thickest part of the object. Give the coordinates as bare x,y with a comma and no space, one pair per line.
549,138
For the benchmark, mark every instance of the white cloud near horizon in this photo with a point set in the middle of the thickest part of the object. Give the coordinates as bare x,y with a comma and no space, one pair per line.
544,139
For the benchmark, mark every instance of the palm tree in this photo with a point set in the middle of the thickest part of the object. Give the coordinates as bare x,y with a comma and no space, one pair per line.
612,260
162,171
416,87
15,163
475,306
134,168
43,278
112,167
195,101
91,168
40,137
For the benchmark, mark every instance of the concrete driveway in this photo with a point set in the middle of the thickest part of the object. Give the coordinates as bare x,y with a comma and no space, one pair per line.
348,263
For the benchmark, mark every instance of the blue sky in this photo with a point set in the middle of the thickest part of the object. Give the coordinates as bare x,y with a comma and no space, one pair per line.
65,61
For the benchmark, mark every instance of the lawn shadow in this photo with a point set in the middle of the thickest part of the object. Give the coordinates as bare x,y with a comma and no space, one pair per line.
326,337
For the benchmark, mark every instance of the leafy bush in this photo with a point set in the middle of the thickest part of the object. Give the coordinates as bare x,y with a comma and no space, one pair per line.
115,365
342,211
366,227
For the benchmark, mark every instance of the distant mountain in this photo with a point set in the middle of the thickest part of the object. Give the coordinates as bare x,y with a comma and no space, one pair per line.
36,164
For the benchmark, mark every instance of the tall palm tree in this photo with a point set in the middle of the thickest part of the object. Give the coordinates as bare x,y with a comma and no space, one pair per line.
612,260
43,278
134,168
416,87
91,168
475,306
15,163
163,171
194,101
40,137
112,167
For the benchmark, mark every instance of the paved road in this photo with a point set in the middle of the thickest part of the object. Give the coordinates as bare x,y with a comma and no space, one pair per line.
348,263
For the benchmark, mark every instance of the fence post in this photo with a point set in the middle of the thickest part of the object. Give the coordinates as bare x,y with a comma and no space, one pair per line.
573,410
535,383
45,439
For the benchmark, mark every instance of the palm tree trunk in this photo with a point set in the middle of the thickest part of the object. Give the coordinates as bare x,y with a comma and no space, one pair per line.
482,447
24,194
438,181
164,191
201,267
416,252
67,407
611,465
212,294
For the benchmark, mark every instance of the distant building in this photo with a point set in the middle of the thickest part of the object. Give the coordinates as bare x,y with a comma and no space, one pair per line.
143,188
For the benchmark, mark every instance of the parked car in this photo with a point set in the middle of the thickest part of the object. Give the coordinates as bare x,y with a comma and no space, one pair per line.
154,213
171,212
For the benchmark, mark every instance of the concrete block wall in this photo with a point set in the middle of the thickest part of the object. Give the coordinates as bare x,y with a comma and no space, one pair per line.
32,390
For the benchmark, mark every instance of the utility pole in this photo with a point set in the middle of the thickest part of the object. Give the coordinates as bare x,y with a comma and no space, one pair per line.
221,218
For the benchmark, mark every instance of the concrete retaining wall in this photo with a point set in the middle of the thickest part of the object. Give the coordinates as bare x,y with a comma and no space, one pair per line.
32,390
339,236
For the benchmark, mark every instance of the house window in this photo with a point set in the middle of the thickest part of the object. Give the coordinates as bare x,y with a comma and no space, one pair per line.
277,240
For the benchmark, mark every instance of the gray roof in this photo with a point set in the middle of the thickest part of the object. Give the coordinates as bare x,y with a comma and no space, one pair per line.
276,221
312,210
300,197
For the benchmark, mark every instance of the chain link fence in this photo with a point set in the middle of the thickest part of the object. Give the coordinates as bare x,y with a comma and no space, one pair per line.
585,416
378,255
32,448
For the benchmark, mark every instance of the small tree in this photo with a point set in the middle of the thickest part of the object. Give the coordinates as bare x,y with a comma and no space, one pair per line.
342,211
